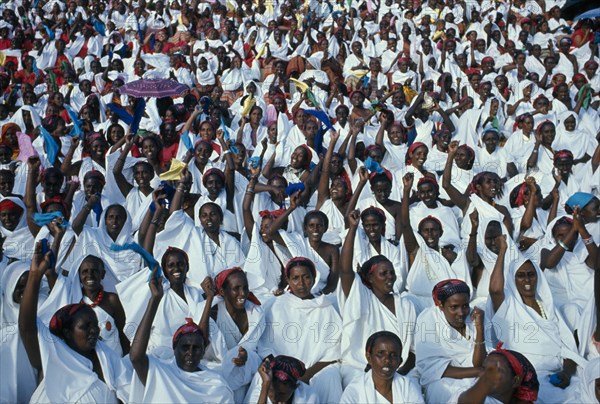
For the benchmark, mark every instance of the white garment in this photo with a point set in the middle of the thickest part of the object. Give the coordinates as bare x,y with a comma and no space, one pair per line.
404,390
18,243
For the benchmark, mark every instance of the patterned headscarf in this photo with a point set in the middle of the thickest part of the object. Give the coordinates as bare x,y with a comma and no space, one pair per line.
444,289
188,328
529,387
221,278
62,317
286,368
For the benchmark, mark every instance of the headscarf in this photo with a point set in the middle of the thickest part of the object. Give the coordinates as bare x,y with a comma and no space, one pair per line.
385,174
7,204
375,211
174,250
444,289
56,200
212,171
221,278
369,266
428,180
563,154
412,149
580,199
433,219
528,389
271,214
188,328
285,368
62,316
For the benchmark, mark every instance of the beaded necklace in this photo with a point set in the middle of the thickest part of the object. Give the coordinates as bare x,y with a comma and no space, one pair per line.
98,300
541,307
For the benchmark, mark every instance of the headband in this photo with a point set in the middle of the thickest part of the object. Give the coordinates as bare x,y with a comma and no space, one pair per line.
444,289
221,278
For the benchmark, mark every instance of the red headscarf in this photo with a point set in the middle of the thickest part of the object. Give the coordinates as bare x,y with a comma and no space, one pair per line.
412,149
188,328
447,288
524,370
58,200
7,204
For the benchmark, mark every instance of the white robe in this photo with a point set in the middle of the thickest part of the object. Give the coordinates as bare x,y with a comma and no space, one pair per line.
404,390
363,314
438,346
18,243
545,342
314,338
167,383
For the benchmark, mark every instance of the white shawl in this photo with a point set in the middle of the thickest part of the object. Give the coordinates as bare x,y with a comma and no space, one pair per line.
404,390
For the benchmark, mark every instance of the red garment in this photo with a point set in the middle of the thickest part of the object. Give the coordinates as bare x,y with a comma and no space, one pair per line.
83,51
170,152
167,47
25,77
5,44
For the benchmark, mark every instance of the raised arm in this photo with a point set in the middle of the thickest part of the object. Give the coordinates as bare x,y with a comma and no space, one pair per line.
229,171
79,221
278,223
153,227
346,256
28,310
66,167
364,178
183,186
586,237
527,219
124,185
248,200
208,286
410,241
323,192
472,256
497,277
457,197
33,166
139,345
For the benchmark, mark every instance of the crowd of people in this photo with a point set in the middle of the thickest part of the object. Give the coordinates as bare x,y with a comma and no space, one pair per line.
356,201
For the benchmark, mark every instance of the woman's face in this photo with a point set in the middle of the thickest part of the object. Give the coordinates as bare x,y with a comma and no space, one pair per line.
176,269
456,310
527,125
83,336
202,153
488,187
419,156
10,137
301,281
279,104
17,295
590,211
142,175
281,392
207,132
98,149
428,194
431,233
490,140
462,158
10,218
357,99
382,191
214,185
116,133
526,280
548,132
395,135
561,231
385,358
541,105
376,154
373,227
564,167
314,229
236,290
382,278
91,273
570,124
341,115
491,234
210,219
150,149
299,158
338,190
256,116
92,186
189,352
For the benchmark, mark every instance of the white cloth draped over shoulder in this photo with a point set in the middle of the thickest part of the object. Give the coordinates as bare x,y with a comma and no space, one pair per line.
167,383
18,243
404,390
96,241
546,342
205,256
430,267
134,294
69,376
437,346
299,246
309,330
363,314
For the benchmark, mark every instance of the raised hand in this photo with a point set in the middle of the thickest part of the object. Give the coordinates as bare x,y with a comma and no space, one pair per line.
295,199
40,262
477,316
501,242
474,217
265,371
208,286
354,218
363,175
408,180
242,357
452,148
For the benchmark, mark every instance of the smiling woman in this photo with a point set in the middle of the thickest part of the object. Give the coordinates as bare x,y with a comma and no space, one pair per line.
381,382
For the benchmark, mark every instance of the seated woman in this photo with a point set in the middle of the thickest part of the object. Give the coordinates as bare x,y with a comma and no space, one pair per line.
507,377
520,298
381,382
211,249
317,348
180,300
462,169
491,156
430,204
84,284
93,157
479,195
324,256
451,357
368,304
114,228
91,201
18,239
429,262
240,319
568,258
71,361
415,159
529,219
181,378
279,381
19,379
